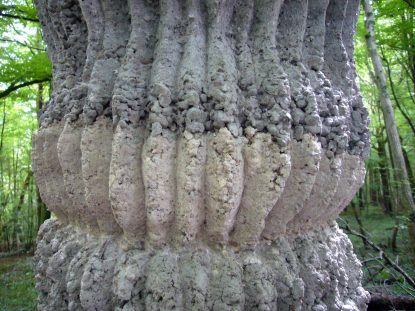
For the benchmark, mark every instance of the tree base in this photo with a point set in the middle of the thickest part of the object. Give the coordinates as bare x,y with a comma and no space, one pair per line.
76,270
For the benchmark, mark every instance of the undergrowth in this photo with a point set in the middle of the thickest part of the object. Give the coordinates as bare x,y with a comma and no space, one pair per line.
17,284
379,227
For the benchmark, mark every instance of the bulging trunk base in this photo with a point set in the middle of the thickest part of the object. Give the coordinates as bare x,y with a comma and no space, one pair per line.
313,271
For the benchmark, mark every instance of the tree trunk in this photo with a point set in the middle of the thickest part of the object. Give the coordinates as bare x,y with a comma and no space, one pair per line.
406,202
402,110
388,113
383,171
195,155
410,172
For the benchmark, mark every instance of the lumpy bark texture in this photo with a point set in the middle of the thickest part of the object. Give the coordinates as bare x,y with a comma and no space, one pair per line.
197,153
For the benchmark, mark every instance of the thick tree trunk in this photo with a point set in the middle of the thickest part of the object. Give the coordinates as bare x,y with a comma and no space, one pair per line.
196,154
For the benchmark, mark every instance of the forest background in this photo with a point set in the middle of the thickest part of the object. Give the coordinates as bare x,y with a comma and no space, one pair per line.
375,220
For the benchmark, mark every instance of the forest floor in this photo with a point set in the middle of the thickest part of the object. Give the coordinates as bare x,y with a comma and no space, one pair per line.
17,278
380,277
17,284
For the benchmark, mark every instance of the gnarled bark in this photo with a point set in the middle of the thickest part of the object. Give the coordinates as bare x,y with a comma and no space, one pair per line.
196,154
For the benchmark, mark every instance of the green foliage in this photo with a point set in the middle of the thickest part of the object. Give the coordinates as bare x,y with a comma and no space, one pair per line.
395,35
23,57
379,227
25,72
17,217
17,9
397,44
394,24
17,292
376,206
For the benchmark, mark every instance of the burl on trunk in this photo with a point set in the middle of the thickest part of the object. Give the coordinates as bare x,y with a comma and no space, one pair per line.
196,154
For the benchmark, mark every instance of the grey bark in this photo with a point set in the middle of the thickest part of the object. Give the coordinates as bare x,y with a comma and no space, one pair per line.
196,154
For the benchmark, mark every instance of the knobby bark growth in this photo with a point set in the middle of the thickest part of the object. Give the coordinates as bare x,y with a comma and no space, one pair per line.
196,154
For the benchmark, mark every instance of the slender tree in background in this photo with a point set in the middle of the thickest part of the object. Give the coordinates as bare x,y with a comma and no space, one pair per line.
406,202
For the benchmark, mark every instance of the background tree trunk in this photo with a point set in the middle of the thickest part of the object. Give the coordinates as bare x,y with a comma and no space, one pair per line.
406,202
